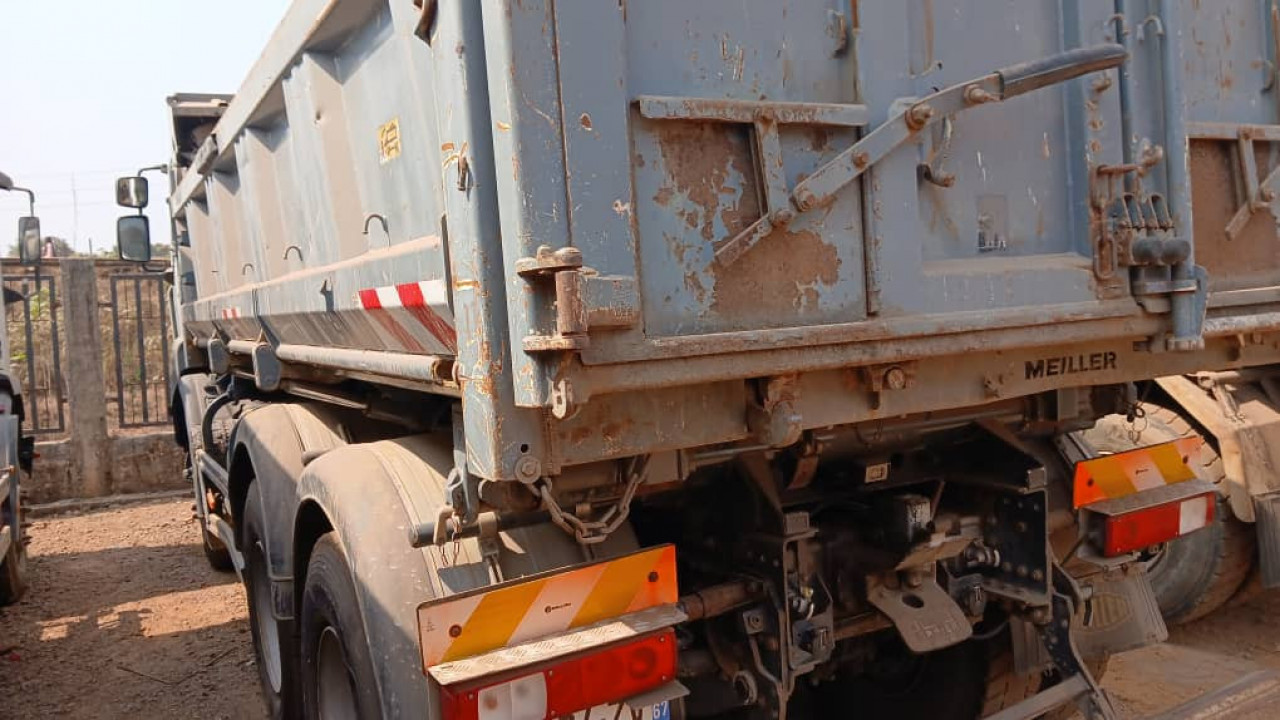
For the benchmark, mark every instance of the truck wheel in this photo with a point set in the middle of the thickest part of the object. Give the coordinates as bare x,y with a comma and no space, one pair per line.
1193,575
13,566
273,640
340,680
943,685
214,551
13,574
1005,688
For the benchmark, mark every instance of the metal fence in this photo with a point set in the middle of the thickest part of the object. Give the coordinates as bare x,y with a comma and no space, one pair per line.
140,322
32,313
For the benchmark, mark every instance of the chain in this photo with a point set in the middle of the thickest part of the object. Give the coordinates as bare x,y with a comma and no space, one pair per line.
1138,423
455,527
591,532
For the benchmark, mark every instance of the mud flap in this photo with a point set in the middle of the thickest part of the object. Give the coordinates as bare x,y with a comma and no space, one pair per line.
1121,614
1266,510
1058,636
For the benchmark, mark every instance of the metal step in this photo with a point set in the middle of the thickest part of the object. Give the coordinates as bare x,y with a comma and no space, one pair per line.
1251,694
1042,702
1252,697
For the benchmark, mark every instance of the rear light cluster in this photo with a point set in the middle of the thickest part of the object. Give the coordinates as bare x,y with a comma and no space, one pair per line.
606,676
1127,532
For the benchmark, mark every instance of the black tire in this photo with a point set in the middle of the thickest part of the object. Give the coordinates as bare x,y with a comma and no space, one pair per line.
336,667
13,574
274,641
215,552
13,566
948,684
1196,574
1006,688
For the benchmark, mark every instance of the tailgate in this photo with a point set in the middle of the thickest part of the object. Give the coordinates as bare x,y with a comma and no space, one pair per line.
689,128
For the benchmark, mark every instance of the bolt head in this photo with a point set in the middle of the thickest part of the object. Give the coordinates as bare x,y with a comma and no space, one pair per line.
528,468
895,378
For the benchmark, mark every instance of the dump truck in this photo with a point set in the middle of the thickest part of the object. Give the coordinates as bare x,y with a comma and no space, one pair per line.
740,366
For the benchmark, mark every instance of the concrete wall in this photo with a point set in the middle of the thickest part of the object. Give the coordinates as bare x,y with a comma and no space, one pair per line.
131,463
94,461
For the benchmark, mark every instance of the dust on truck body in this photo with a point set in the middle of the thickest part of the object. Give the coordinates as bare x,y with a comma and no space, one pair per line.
1233,130
695,357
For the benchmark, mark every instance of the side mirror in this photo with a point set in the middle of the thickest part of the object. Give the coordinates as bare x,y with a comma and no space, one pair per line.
133,238
29,240
132,192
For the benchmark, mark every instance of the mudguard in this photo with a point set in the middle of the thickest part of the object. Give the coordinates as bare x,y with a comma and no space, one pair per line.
187,410
268,453
371,495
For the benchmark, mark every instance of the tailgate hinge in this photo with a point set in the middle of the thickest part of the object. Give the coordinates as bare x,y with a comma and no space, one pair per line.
583,299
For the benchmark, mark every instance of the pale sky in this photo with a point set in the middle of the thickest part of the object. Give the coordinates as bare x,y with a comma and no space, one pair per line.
82,98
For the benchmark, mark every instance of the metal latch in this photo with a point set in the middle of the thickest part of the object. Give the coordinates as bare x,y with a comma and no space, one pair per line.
820,187
584,299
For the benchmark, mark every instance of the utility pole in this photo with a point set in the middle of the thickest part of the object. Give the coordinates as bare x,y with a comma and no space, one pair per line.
75,214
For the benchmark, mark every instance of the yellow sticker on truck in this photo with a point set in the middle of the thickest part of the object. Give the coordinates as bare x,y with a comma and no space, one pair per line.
469,624
389,141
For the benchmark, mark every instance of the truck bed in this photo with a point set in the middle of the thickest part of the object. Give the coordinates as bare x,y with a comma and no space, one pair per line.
592,221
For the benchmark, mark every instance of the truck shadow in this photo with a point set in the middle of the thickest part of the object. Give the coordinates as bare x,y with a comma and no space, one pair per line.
128,632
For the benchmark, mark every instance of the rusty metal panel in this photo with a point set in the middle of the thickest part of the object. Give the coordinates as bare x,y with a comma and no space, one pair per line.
583,202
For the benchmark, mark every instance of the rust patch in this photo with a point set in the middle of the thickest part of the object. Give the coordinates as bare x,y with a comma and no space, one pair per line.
693,283
1253,257
1095,119
700,160
777,277
585,121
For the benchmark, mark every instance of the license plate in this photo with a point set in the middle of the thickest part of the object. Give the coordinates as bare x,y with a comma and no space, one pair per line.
661,711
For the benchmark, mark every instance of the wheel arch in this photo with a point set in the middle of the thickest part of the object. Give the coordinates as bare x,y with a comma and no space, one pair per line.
270,447
370,495
352,492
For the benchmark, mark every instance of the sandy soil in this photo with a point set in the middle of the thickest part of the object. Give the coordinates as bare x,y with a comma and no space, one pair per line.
125,618
1242,637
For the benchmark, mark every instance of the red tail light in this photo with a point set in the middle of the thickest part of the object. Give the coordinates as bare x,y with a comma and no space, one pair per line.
1127,532
608,676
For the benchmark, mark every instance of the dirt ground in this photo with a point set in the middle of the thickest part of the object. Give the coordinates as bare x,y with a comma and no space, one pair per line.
1242,637
125,619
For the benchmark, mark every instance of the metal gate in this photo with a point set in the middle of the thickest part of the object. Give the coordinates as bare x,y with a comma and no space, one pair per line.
140,336
35,349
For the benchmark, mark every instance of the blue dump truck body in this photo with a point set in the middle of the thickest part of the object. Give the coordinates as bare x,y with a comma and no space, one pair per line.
816,294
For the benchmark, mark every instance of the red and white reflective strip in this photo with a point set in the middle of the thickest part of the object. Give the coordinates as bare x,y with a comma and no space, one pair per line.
1144,528
413,317
579,683
230,313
